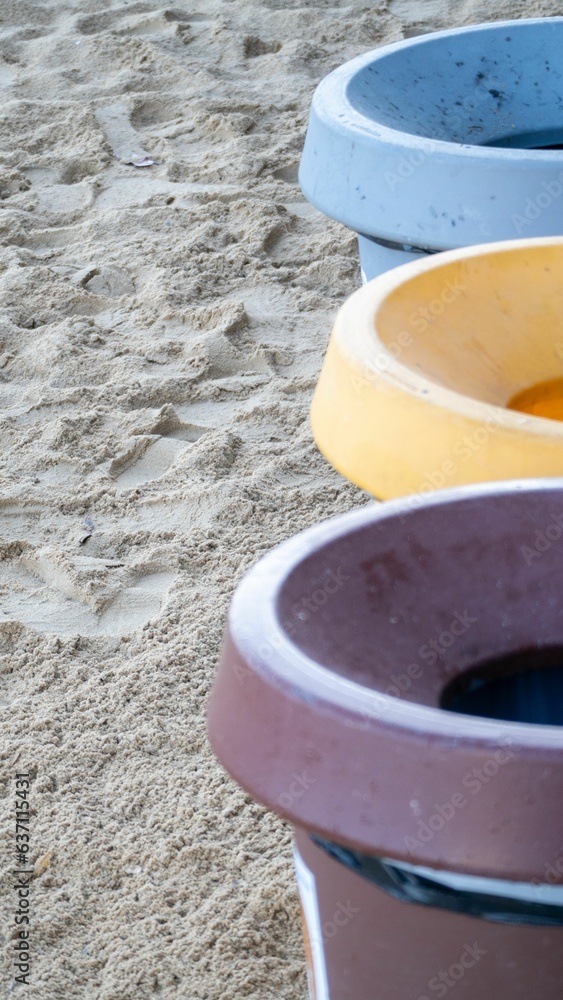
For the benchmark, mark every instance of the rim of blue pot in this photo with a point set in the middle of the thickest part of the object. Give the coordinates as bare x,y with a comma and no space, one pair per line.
485,190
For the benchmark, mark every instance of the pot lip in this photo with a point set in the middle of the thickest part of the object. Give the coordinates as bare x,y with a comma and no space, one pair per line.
333,91
365,153
254,626
355,330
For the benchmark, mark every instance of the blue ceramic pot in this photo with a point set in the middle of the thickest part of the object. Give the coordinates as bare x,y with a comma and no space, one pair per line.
442,141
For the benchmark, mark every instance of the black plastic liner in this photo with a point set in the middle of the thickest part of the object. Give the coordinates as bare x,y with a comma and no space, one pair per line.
410,887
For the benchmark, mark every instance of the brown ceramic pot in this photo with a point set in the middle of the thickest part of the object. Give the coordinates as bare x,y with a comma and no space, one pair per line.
391,683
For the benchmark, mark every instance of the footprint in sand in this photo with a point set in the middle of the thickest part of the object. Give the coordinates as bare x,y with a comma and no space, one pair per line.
52,592
111,282
138,19
254,47
5,696
147,458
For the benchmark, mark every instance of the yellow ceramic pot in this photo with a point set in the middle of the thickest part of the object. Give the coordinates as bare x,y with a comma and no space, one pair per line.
448,371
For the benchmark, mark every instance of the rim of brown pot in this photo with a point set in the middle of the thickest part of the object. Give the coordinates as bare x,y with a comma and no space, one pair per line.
368,769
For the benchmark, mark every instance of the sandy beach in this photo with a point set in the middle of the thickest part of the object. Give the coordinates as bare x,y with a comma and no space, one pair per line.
166,296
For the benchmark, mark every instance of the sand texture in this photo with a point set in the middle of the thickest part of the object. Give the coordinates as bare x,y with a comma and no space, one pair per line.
161,329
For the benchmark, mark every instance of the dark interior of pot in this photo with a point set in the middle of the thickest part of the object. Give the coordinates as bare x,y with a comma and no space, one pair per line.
495,86
455,605
542,139
521,687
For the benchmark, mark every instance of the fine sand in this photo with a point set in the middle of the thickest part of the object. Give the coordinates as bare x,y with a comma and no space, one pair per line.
161,328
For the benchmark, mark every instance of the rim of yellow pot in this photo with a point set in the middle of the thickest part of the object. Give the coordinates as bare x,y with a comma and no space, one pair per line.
395,424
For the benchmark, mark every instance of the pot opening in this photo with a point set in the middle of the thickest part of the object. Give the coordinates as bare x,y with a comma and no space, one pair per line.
542,400
550,138
520,687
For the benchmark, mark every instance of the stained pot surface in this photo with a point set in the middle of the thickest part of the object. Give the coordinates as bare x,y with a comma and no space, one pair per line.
498,84
444,140
340,646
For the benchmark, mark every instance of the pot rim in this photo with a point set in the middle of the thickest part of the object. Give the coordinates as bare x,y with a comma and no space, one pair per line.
334,87
355,331
373,149
305,679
